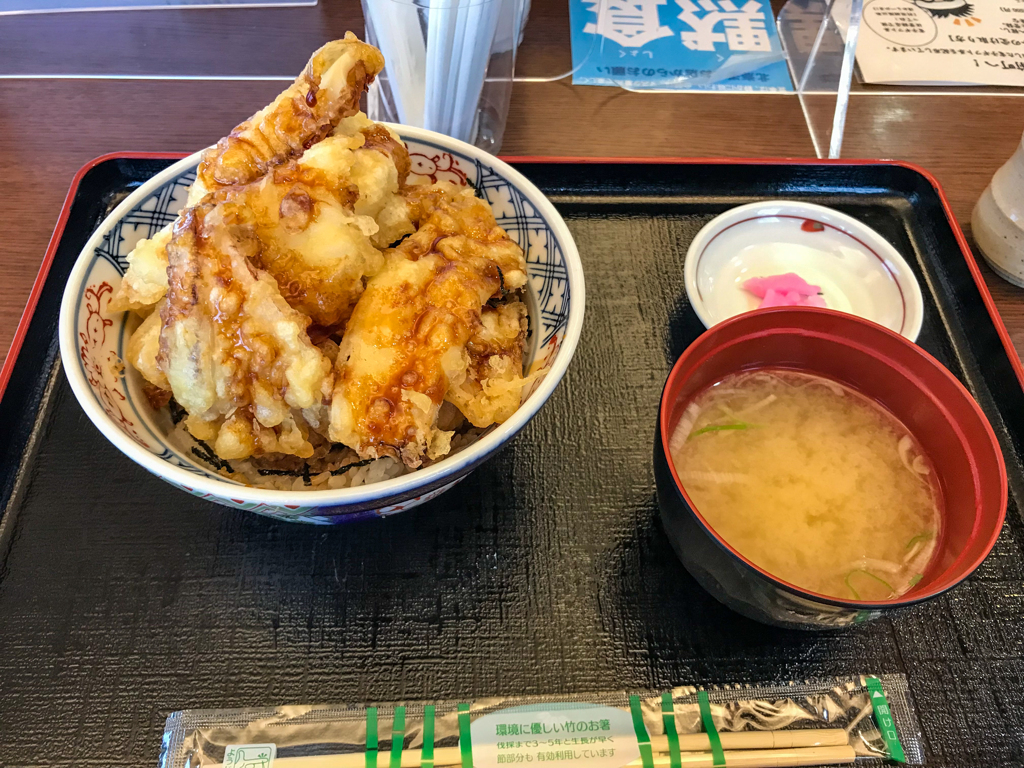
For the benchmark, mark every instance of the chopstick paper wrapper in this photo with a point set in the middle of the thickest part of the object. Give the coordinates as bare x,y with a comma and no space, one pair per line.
829,722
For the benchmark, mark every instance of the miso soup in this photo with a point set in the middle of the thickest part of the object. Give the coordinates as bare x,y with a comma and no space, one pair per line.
812,481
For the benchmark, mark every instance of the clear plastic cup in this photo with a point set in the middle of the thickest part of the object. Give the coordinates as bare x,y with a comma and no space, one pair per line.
449,64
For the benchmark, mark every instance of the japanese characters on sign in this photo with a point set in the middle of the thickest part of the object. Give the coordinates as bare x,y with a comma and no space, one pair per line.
955,42
741,29
664,43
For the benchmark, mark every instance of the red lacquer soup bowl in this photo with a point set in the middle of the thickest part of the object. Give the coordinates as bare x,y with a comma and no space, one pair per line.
891,370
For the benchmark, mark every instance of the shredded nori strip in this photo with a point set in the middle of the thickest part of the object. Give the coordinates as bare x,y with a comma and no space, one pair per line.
305,474
211,458
176,412
201,449
353,465
400,240
206,454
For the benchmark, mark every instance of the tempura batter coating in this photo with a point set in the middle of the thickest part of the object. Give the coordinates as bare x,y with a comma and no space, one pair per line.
315,218
491,390
327,91
145,281
144,350
406,339
317,221
236,356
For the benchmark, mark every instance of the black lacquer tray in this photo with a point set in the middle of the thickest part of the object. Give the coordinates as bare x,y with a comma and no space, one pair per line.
546,571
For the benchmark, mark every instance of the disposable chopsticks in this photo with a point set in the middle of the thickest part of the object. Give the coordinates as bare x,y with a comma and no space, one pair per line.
744,749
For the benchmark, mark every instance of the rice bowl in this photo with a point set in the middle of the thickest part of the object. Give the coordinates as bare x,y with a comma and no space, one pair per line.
115,403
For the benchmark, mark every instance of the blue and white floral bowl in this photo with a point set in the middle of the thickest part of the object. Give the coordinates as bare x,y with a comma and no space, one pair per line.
93,341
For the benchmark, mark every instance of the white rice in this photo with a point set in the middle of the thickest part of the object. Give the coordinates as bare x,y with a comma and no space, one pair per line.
247,472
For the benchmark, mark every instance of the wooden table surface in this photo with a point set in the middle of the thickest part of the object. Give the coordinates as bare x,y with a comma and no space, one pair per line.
49,128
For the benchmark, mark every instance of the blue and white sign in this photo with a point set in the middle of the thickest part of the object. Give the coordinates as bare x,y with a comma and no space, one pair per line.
714,45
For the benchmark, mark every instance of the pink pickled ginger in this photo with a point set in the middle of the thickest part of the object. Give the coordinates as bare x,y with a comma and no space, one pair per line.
788,290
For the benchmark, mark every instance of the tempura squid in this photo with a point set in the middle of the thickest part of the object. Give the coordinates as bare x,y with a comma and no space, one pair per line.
406,341
235,355
327,91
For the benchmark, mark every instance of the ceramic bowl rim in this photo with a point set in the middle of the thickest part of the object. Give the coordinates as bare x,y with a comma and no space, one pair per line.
663,436
914,309
447,469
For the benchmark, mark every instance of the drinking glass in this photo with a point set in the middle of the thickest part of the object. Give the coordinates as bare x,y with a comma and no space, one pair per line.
449,64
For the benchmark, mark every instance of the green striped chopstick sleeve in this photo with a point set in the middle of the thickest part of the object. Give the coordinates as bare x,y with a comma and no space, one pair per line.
642,739
717,755
668,716
465,739
427,754
371,737
397,738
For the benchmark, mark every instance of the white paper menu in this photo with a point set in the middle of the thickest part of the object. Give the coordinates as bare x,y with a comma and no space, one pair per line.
941,42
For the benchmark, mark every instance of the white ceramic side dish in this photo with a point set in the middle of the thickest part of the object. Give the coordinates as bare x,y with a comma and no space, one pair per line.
858,270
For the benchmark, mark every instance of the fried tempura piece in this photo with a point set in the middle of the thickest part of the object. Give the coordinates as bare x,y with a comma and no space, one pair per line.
390,211
145,281
406,339
326,92
491,389
236,356
317,220
144,350
315,217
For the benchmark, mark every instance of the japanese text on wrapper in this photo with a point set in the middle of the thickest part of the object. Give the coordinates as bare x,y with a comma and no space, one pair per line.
536,728
547,742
